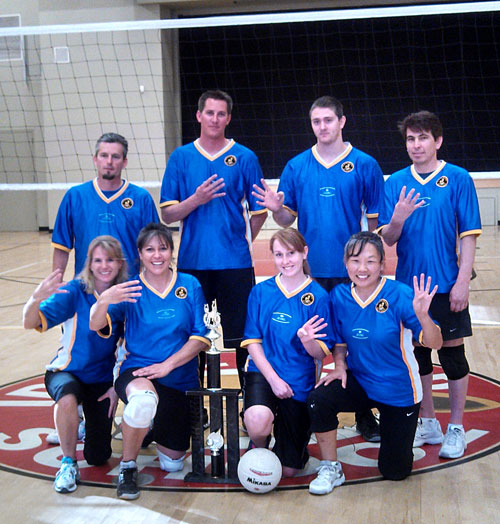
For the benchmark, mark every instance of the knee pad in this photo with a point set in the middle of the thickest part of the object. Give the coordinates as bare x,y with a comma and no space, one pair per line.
140,409
423,356
168,464
453,362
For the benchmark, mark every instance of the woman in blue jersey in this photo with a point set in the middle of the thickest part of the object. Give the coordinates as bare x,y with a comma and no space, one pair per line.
82,371
286,331
373,366
158,361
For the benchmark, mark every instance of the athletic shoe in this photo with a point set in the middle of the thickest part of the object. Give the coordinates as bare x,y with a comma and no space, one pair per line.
368,426
127,484
67,476
454,444
428,432
330,475
53,438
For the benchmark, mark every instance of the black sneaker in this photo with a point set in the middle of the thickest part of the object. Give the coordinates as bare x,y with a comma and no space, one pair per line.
206,422
368,426
127,484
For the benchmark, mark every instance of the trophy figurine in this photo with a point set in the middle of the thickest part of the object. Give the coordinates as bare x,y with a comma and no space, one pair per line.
215,443
211,318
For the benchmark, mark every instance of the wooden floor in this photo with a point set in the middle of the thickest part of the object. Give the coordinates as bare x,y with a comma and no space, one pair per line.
469,493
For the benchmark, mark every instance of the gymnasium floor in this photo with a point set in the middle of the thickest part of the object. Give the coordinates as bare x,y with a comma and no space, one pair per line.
465,493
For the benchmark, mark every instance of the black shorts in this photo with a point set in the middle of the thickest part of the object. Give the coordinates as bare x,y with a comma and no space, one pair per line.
328,283
397,424
291,420
172,422
453,324
230,287
98,426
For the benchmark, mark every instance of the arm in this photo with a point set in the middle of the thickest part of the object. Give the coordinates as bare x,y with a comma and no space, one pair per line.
187,352
340,371
308,334
280,388
48,286
60,260
273,201
204,193
405,206
431,333
372,223
125,292
256,223
113,400
459,293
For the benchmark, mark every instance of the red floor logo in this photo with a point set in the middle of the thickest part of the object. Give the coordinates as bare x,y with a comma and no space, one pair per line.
26,419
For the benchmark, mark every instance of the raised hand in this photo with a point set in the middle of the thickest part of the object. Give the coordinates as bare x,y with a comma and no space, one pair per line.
422,294
209,190
268,198
124,292
309,331
406,205
50,285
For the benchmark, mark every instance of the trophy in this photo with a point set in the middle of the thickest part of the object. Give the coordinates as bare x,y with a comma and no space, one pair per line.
211,318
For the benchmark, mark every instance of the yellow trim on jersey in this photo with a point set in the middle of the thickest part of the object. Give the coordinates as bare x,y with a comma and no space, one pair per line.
169,287
323,347
169,203
61,247
248,341
109,326
371,215
296,291
335,160
118,194
210,157
426,180
403,355
201,339
43,323
294,213
258,212
371,298
476,232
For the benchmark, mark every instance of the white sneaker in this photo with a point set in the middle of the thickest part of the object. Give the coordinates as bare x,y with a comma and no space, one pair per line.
67,476
454,444
330,475
53,438
428,432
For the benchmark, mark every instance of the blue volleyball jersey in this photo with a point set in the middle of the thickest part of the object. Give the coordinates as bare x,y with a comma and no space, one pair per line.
377,354
273,318
428,241
327,199
215,235
86,212
159,324
84,353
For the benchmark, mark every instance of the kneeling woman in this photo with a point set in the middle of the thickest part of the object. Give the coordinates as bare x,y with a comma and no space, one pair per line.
158,362
372,366
285,317
82,371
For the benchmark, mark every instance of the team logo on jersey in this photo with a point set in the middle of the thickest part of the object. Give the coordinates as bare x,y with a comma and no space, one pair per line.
181,292
360,333
382,306
347,167
127,203
327,191
165,314
426,201
106,217
442,181
230,160
307,299
281,318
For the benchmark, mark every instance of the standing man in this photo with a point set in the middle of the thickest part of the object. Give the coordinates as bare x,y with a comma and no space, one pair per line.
326,187
429,208
207,185
107,205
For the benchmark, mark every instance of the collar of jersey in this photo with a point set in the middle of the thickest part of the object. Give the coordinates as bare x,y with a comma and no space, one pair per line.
372,297
335,161
295,291
169,287
113,197
426,180
218,154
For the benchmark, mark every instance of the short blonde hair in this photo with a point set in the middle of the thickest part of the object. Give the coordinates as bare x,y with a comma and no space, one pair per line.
114,249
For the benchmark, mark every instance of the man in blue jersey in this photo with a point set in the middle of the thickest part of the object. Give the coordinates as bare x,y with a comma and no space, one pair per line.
428,208
207,185
327,186
107,205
